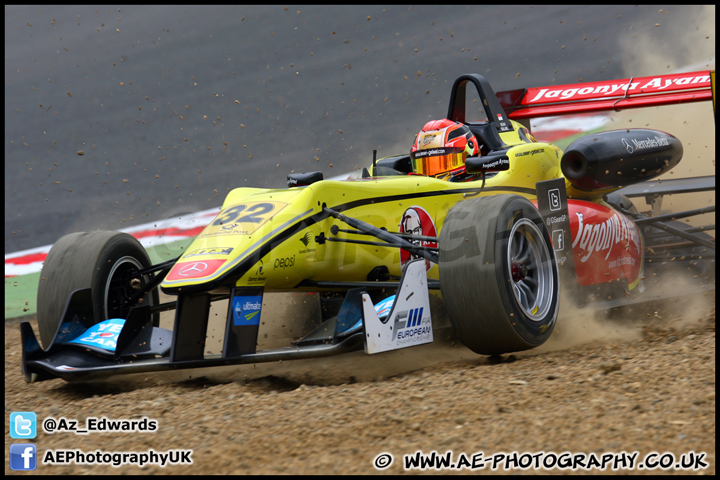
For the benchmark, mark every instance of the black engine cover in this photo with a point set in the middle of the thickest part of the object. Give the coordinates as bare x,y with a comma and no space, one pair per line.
619,158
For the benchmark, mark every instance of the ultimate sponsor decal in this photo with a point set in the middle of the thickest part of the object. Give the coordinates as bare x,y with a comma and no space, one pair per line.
416,221
246,310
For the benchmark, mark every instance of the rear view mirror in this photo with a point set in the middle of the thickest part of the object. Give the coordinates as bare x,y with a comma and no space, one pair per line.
492,162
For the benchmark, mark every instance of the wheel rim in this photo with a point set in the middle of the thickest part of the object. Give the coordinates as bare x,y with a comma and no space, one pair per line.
531,270
118,288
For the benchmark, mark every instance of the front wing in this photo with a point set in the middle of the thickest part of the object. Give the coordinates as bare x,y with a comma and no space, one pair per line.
80,354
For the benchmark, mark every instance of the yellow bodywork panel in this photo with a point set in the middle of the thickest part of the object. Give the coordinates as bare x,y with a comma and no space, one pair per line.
276,239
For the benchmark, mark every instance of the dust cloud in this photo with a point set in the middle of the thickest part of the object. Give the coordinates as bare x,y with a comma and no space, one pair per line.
657,47
579,325
689,49
677,299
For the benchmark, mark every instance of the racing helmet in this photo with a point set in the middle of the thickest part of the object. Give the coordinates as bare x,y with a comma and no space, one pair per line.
441,147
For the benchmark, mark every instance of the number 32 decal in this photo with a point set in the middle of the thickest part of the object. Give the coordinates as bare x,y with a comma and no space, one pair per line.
247,216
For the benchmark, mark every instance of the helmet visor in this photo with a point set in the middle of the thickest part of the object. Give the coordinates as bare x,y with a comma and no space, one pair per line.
435,161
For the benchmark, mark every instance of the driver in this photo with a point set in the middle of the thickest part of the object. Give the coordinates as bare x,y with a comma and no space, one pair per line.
440,150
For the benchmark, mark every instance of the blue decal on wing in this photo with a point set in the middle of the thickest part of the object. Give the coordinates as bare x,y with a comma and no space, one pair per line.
103,335
383,308
246,310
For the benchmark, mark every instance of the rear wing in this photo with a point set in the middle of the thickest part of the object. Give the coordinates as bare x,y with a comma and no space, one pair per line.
656,188
609,95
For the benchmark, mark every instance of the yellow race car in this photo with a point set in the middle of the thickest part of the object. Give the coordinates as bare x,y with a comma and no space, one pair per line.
494,244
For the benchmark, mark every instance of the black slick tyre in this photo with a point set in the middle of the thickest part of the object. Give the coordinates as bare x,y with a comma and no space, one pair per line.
498,275
105,261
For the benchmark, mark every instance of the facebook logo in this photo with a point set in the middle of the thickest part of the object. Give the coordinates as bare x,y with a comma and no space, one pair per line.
23,425
23,456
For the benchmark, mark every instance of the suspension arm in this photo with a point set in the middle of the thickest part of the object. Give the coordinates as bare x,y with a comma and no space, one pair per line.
384,235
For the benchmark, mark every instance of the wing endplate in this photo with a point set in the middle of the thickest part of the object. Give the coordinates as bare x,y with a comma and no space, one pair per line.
409,322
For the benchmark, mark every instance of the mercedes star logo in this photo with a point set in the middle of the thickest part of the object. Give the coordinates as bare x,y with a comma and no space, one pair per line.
192,267
628,147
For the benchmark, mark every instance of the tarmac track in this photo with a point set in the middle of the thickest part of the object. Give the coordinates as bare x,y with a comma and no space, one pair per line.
116,116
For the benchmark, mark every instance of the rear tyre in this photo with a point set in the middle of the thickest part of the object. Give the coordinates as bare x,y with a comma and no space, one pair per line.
107,262
498,275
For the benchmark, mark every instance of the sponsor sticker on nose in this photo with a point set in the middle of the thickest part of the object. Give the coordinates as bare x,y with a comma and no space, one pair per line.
196,269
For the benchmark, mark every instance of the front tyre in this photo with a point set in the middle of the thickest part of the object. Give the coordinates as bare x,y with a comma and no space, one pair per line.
498,274
105,261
